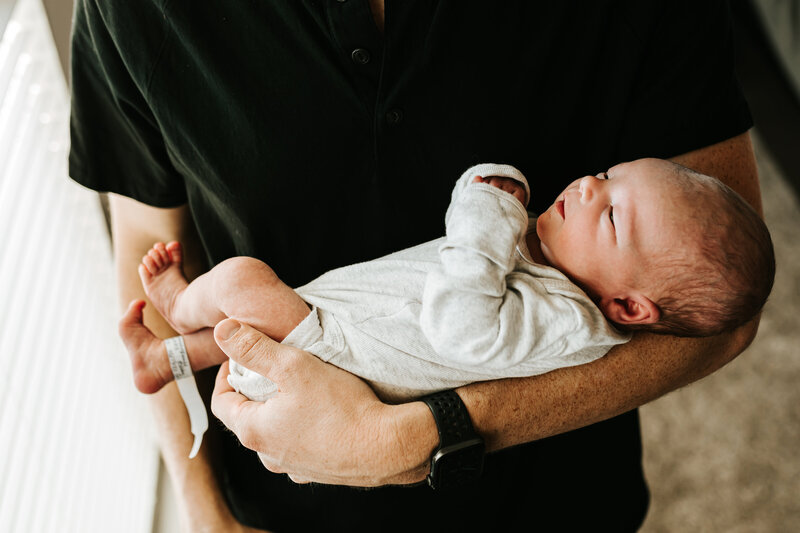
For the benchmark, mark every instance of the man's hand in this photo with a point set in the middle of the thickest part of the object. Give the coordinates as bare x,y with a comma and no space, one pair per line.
511,186
324,424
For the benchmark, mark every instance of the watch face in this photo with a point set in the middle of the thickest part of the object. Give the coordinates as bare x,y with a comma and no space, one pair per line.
457,465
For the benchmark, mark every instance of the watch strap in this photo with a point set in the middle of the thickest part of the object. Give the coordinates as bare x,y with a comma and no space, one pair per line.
459,456
451,416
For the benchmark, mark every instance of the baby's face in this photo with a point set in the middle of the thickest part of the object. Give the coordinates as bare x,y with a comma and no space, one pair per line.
600,228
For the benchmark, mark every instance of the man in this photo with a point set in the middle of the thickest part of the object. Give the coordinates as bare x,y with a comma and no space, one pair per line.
307,135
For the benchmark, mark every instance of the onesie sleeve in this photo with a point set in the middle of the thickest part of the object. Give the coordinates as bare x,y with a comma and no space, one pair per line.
116,142
466,300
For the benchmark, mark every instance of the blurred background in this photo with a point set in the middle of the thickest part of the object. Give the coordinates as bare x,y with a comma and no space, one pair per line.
721,455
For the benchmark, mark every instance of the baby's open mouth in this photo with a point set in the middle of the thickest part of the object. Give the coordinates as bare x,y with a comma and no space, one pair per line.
560,208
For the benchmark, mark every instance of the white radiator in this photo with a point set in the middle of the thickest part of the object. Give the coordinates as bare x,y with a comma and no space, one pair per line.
76,446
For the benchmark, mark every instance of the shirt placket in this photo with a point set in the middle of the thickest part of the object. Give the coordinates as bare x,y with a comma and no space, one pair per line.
360,46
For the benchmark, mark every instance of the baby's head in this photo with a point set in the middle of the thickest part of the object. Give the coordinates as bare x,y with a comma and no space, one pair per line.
661,248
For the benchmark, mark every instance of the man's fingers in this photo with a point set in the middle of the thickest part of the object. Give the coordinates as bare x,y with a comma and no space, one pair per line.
249,347
238,413
225,402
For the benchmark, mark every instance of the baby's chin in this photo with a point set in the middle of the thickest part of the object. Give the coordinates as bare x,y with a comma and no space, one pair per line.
542,219
540,225
546,254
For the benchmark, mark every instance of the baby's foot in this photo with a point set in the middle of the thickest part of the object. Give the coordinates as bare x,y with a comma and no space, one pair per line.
162,276
151,369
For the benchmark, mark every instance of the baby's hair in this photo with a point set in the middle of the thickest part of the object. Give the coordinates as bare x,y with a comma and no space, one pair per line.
721,276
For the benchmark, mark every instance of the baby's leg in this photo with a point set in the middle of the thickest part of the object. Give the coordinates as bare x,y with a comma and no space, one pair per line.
241,287
249,291
151,369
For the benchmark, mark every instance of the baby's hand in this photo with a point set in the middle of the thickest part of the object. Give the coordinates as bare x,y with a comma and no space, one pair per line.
509,185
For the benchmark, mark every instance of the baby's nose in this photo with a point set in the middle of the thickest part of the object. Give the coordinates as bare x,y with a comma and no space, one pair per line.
586,187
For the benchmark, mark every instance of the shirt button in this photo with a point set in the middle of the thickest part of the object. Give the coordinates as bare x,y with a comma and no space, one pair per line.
360,56
394,117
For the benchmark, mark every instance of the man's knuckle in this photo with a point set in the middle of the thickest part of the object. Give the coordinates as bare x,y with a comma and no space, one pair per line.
270,464
250,347
248,437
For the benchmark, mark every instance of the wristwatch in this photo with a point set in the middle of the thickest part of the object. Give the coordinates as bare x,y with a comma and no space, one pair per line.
459,458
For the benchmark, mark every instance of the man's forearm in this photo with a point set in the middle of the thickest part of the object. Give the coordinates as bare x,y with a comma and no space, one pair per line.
135,227
515,411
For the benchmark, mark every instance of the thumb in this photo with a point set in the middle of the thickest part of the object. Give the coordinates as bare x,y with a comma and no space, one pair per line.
251,348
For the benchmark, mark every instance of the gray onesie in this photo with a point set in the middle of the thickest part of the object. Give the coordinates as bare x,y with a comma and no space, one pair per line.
470,306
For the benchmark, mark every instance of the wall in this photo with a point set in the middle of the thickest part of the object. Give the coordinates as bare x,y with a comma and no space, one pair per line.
59,12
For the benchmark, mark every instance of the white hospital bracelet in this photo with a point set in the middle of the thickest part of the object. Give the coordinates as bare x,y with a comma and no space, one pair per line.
187,386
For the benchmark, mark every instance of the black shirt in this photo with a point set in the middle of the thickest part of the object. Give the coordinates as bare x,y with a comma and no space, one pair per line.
301,135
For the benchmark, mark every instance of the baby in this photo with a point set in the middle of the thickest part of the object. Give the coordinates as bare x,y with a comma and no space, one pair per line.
648,245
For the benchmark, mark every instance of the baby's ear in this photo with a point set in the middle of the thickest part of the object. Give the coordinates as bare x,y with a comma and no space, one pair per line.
632,309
